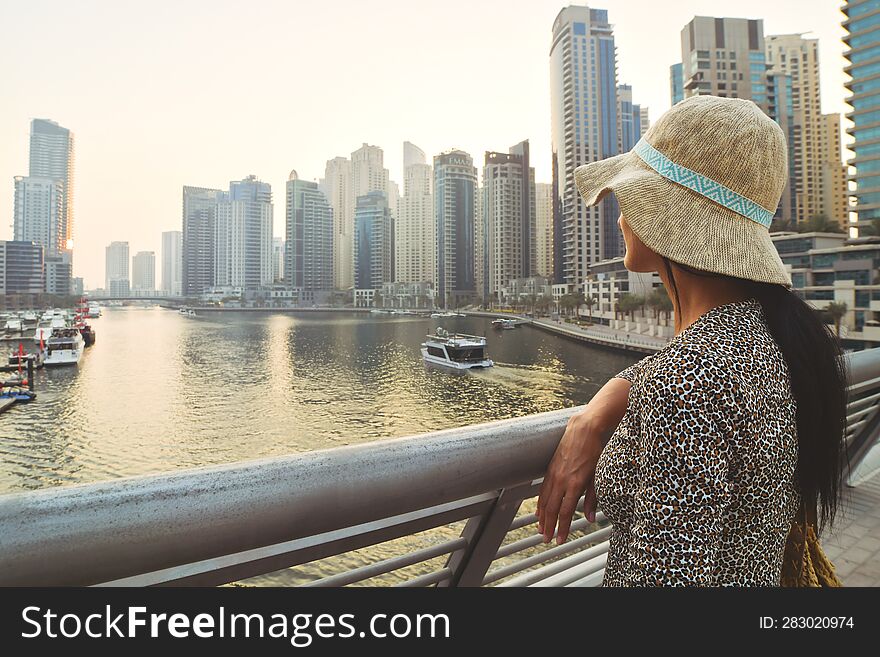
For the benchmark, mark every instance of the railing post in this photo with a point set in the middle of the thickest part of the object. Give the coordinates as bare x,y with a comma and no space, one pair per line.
484,535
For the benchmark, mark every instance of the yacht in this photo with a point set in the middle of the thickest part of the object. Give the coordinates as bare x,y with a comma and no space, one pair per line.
187,312
94,310
457,351
13,325
30,317
502,323
65,347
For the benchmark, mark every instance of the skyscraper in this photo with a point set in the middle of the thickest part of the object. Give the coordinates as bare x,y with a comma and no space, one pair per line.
199,239
835,192
455,205
644,122
414,224
308,254
243,253
116,270
337,187
143,269
585,127
172,262
676,83
278,259
862,24
51,156
508,218
544,229
373,242
38,212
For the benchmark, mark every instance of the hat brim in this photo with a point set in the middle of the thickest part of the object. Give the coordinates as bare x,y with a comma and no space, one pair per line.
681,224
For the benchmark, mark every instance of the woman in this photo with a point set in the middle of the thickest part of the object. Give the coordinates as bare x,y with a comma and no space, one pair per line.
702,454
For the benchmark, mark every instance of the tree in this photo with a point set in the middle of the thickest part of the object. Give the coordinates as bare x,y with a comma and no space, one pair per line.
566,302
377,299
578,298
836,312
532,301
589,302
779,225
819,223
628,303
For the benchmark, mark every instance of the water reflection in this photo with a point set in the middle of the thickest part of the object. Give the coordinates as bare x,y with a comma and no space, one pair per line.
160,391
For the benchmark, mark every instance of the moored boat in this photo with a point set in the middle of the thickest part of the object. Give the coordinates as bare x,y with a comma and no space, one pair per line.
65,347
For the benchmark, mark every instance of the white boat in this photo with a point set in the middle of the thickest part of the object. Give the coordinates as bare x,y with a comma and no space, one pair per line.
94,310
65,347
503,323
13,325
186,312
446,314
43,333
47,316
30,316
456,351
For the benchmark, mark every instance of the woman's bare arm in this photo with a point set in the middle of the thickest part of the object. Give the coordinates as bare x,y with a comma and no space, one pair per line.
573,466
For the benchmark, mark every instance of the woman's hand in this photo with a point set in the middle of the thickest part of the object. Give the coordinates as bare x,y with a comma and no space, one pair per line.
573,466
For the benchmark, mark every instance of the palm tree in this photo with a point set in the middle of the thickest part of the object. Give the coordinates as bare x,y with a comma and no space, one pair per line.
836,312
589,302
627,303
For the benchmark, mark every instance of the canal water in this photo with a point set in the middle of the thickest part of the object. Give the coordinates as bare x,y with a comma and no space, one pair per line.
160,391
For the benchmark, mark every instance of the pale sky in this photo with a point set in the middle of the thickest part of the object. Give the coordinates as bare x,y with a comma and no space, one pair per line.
200,92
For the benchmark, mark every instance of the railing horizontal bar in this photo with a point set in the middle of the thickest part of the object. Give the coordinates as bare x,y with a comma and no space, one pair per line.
597,541
427,579
566,577
864,401
593,580
855,426
857,388
242,565
388,565
863,414
534,540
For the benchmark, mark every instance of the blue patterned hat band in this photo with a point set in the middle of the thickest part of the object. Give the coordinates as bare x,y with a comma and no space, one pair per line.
702,185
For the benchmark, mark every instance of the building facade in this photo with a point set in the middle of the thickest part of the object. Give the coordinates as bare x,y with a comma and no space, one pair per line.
243,235
199,239
414,223
585,127
52,156
38,214
21,267
676,83
373,242
143,273
172,263
544,230
455,207
509,205
308,254
116,269
862,40
337,187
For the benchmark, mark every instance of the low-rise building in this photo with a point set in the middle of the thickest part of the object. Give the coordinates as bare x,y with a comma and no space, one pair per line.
407,295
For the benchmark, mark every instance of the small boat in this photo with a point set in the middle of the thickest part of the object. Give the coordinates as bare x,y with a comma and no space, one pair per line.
187,312
94,310
502,323
456,351
446,314
42,333
30,317
13,325
17,361
65,347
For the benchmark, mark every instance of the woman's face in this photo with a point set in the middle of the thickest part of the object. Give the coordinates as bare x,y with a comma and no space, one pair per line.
638,256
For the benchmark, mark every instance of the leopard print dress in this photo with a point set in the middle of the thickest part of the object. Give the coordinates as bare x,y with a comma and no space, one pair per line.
699,480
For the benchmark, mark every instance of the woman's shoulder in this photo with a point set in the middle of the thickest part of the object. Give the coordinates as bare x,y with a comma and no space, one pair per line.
685,370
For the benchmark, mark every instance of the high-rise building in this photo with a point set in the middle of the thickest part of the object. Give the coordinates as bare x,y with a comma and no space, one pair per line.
337,187
645,121
724,57
278,259
172,263
373,242
676,83
412,154
414,224
508,219
585,127
835,192
862,38
199,239
38,212
59,270
143,272
798,58
630,119
243,254
51,156
308,254
544,230
21,267
455,206
116,271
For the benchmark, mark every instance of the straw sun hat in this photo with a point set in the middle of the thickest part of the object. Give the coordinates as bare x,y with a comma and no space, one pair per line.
701,187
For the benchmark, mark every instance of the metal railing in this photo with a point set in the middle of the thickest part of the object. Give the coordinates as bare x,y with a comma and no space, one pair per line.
224,524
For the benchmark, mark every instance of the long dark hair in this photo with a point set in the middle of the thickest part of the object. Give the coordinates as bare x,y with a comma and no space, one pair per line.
818,383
